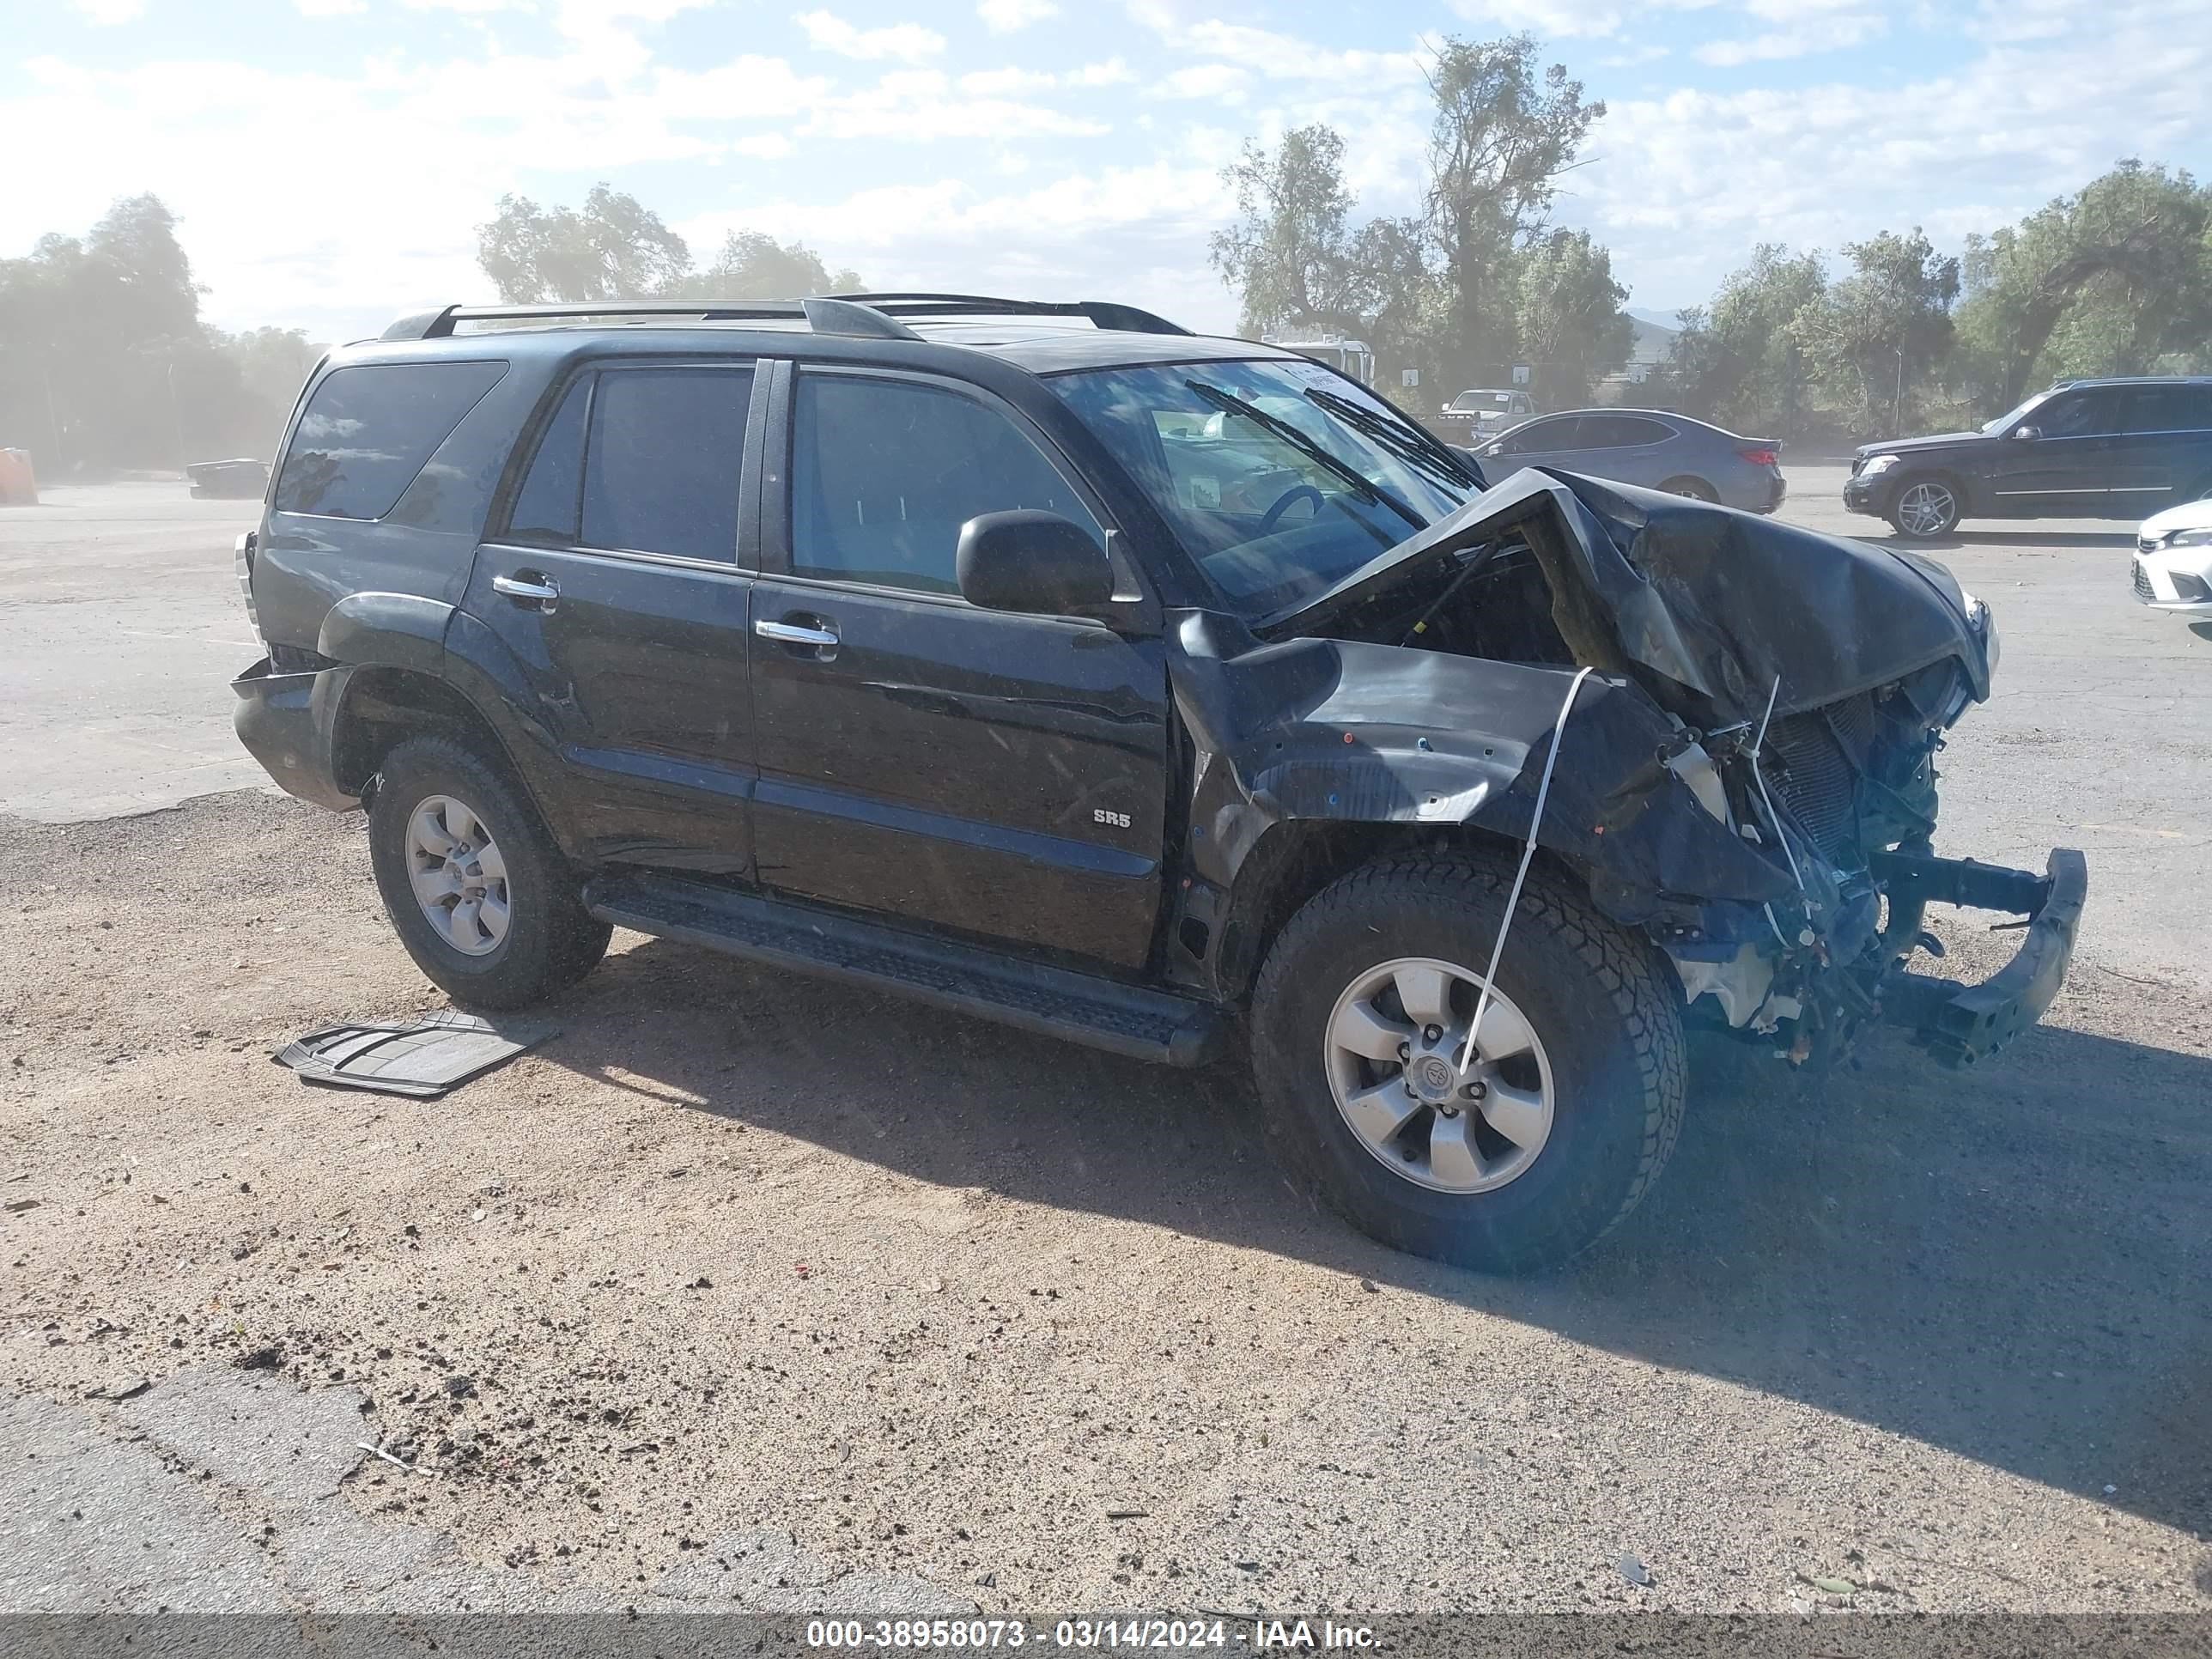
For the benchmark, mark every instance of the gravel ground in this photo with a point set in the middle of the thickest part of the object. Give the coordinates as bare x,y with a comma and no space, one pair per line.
749,1290
1042,1329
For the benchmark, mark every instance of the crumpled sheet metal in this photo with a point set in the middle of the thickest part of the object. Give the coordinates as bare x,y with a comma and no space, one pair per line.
1718,602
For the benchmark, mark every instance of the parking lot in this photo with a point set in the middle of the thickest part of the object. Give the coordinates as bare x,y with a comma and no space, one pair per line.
738,1290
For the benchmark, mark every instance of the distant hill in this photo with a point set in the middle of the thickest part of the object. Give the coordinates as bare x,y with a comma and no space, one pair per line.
1653,337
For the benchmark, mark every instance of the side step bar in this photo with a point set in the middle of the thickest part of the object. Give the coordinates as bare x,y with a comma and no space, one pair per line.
1057,1002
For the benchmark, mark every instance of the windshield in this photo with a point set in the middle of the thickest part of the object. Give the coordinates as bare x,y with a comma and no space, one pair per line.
2004,423
1279,478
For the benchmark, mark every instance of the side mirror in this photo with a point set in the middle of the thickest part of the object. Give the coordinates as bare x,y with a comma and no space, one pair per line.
1035,563
2030,433
1494,449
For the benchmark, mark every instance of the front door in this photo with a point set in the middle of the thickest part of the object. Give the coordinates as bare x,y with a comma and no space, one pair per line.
615,582
2065,470
1001,775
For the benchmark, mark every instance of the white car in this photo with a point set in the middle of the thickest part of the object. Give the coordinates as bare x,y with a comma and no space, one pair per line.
2173,559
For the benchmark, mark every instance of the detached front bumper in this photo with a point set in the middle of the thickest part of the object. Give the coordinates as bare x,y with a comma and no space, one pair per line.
1961,1023
286,722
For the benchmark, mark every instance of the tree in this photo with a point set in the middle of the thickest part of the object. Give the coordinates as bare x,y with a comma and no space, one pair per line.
103,361
1742,361
1504,133
1885,327
755,266
2111,280
1291,253
613,248
1573,332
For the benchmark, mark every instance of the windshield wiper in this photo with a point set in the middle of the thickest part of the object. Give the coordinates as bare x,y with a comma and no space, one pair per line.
1416,450
1229,403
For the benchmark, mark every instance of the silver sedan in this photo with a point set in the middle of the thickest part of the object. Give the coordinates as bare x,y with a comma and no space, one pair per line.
1647,446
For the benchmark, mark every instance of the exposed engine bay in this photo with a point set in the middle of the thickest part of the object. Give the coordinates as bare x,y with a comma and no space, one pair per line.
1789,691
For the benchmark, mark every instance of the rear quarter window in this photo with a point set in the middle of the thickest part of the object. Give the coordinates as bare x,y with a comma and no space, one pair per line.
368,430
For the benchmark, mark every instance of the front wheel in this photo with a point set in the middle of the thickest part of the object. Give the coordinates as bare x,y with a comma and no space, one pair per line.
1551,1135
474,886
1924,507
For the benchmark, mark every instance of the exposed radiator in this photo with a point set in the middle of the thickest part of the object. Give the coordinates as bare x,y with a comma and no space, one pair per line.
1818,781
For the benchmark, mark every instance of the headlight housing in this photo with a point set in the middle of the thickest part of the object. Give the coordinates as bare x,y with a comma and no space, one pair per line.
2202,538
1875,465
1983,622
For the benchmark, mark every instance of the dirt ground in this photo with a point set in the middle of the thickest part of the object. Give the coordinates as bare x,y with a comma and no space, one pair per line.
1044,1329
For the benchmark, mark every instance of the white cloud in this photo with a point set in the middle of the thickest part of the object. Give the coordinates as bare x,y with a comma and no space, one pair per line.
919,106
1807,26
108,13
909,42
330,7
764,146
1004,16
1113,72
1216,81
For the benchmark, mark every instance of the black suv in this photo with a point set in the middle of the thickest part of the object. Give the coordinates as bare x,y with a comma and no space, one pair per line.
2085,449
1052,664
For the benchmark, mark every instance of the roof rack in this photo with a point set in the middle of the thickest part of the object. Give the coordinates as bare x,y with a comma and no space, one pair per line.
871,315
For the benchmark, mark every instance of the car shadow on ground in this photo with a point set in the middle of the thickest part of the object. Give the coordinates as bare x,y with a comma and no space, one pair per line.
2008,1264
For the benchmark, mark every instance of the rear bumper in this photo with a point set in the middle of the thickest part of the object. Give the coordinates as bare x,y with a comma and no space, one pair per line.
286,721
1962,1023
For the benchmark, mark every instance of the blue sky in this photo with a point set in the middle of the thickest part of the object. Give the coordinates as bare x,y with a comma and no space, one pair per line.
329,159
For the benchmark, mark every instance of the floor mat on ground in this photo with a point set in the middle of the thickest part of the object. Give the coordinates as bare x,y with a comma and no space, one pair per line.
424,1057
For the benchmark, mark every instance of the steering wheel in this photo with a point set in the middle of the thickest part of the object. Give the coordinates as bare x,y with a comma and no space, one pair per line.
1267,523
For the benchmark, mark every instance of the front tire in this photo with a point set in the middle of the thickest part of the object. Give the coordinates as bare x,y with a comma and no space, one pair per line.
1579,1071
476,889
1924,507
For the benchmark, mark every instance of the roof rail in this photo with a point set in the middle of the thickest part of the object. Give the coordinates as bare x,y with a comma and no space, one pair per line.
873,315
1101,313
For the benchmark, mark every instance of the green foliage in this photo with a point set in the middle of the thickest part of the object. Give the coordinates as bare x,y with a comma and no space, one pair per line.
1503,133
1572,328
1741,362
1883,328
103,360
612,248
1291,253
1466,288
2115,279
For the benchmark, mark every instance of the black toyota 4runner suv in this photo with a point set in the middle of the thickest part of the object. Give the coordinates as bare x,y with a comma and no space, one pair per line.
1052,664
2083,449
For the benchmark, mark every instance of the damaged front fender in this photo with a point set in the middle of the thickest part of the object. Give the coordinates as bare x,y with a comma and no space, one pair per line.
1340,731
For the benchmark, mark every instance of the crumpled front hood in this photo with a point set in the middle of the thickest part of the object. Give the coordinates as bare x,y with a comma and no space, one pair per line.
1720,602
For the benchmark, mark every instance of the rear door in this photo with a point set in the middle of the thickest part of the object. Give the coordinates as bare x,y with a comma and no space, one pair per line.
614,579
1550,441
1627,449
1002,776
2066,470
2164,454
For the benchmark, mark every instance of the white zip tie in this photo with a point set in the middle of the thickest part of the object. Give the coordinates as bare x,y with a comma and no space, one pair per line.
1773,817
1528,857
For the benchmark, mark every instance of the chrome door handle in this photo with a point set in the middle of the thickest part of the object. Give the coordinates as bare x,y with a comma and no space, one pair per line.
540,591
794,633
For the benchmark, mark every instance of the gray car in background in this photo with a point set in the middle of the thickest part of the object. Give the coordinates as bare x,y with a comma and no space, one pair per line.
1647,446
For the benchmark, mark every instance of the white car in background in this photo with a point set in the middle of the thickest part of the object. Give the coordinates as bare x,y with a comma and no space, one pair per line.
2173,559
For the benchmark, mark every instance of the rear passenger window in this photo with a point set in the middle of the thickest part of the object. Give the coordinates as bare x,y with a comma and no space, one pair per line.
657,471
2168,409
884,473
660,470
368,431
1619,431
552,494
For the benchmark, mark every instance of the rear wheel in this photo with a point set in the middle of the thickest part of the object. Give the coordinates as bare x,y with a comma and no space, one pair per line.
475,888
1535,1150
1924,507
1696,489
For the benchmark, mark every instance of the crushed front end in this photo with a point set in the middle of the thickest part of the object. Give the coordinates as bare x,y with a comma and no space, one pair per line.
1758,791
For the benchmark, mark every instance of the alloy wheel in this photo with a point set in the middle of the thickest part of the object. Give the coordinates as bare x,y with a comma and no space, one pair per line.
1393,1044
459,875
1927,508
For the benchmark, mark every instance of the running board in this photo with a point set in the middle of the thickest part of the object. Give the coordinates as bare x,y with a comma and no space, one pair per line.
1058,1002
